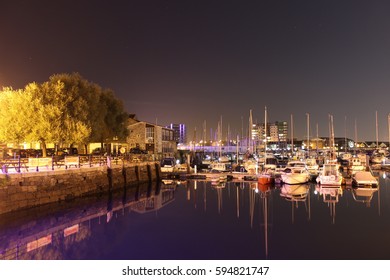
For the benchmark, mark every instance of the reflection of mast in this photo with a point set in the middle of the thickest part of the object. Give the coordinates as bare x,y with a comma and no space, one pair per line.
379,201
205,196
195,187
238,199
296,194
264,195
219,196
188,192
252,196
330,195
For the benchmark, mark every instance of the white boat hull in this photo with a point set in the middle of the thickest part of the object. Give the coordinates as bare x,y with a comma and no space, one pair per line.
331,180
295,178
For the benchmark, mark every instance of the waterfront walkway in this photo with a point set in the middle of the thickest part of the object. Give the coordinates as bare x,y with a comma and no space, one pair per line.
23,165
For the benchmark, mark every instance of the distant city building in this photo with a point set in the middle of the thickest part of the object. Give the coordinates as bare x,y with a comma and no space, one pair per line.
276,132
179,133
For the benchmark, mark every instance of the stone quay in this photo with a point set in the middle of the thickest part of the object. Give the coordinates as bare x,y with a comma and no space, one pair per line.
25,190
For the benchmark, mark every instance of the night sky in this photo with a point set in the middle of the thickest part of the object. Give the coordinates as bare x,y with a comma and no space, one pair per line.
195,61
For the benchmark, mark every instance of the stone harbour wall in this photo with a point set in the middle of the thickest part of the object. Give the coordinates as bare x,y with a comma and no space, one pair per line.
25,190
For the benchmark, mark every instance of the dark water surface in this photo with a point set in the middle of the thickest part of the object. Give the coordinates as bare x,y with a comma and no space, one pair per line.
196,220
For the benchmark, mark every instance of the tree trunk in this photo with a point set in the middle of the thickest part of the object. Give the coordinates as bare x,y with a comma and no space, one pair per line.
43,145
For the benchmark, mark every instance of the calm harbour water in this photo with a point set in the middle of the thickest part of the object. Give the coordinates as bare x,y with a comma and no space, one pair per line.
196,220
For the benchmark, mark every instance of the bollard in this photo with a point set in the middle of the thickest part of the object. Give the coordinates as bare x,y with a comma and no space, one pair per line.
19,167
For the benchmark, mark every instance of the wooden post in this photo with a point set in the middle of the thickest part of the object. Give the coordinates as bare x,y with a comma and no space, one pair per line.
149,168
158,171
137,173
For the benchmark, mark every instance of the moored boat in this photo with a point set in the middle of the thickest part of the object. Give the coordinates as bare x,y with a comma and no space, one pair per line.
364,179
330,175
295,173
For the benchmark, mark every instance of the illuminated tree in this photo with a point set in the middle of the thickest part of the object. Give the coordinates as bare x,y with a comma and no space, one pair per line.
99,110
15,115
66,110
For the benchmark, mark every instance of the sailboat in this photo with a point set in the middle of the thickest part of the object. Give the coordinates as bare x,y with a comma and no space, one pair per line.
330,174
267,175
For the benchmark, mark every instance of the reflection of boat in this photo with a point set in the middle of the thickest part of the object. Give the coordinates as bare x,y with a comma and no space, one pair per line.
364,185
295,173
295,192
364,195
330,195
364,179
219,181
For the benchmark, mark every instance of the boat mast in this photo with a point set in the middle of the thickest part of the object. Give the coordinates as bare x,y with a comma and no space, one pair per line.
250,132
345,134
265,131
221,139
317,139
292,135
388,124
204,135
308,134
356,140
376,125
332,135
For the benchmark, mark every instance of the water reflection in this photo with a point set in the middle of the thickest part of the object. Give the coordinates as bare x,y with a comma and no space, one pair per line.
297,194
28,234
228,220
330,196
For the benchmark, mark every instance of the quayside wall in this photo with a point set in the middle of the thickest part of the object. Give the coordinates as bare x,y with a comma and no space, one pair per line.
29,189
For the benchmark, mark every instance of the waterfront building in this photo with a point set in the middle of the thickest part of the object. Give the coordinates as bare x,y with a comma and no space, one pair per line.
151,138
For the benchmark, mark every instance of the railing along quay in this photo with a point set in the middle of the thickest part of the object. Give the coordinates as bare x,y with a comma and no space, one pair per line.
36,164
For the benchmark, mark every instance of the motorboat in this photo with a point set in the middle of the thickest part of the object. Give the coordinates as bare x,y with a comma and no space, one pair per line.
266,177
355,165
220,167
364,179
312,167
295,173
330,175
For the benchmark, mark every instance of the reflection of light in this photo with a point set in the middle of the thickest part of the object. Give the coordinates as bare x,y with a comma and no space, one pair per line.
256,190
384,175
315,192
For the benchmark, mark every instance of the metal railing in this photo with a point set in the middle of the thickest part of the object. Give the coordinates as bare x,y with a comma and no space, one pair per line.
36,164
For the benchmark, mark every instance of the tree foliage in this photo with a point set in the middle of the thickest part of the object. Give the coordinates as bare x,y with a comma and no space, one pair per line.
65,110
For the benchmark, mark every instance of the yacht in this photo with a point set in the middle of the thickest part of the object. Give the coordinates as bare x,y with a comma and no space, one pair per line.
296,172
330,175
363,179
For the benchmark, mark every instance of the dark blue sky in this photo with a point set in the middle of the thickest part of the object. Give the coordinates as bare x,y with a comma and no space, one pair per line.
195,61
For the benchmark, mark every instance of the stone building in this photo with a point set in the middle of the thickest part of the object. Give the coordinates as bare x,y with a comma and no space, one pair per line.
151,138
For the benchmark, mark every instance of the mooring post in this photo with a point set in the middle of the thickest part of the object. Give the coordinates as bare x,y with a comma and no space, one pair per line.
158,171
149,168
